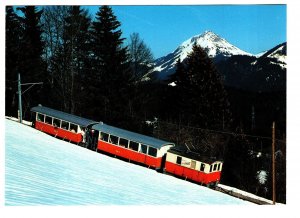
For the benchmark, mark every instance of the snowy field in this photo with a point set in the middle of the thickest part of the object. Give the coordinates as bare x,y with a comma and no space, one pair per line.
42,170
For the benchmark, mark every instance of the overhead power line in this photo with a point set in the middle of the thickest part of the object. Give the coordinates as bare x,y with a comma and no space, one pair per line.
225,132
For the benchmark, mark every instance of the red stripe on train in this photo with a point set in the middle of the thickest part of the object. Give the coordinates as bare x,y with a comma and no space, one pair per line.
130,154
194,175
58,132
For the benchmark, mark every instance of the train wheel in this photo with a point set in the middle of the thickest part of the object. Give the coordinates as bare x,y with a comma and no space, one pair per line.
212,185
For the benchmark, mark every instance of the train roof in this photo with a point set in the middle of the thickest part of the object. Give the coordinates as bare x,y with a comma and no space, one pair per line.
154,142
63,116
193,155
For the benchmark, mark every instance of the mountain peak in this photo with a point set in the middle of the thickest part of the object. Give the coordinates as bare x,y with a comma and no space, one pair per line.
208,36
209,32
215,46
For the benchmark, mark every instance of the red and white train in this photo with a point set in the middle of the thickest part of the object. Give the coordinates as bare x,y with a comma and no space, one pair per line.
155,153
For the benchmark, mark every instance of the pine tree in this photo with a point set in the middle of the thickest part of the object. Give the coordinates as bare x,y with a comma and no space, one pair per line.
110,75
180,76
208,104
31,44
32,67
12,57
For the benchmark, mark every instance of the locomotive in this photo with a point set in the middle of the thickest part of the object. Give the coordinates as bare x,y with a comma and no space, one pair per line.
154,153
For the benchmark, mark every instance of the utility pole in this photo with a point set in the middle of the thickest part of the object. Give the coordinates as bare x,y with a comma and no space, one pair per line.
20,98
273,163
20,93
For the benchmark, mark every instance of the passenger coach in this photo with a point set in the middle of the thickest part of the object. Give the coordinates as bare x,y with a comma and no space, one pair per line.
194,167
155,153
132,146
60,124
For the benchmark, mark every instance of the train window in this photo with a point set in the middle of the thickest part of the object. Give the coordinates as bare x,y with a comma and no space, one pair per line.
134,146
73,127
144,149
152,151
104,136
82,129
219,166
48,120
113,139
202,167
123,142
56,122
40,117
215,167
178,160
211,167
64,125
193,164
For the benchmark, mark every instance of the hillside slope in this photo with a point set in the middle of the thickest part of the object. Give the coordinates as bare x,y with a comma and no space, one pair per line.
42,170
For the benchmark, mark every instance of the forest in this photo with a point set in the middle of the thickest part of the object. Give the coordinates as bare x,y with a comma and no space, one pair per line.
88,69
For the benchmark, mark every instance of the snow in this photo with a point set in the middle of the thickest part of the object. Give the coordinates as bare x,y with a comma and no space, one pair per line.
281,58
159,68
262,176
254,62
278,53
283,66
172,84
42,170
213,43
28,123
260,54
235,190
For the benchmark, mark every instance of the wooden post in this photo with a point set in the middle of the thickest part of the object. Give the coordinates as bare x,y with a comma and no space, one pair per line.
273,163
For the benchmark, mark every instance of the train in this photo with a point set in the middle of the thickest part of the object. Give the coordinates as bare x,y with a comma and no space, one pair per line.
163,156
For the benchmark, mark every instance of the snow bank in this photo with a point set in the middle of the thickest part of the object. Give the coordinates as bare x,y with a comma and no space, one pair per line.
28,123
245,194
42,170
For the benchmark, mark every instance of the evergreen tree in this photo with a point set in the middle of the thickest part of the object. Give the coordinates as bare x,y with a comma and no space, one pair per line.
31,44
207,105
12,56
32,67
110,75
179,77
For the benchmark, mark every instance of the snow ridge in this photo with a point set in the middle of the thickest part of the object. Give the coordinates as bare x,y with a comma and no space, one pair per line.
280,55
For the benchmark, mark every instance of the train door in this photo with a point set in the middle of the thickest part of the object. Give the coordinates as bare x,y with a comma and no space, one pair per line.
143,150
95,139
33,116
91,139
163,163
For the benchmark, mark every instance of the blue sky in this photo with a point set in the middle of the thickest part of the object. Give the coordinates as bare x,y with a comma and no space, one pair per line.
252,28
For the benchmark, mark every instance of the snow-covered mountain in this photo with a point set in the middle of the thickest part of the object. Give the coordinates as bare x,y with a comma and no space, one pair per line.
260,54
266,72
277,54
215,46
